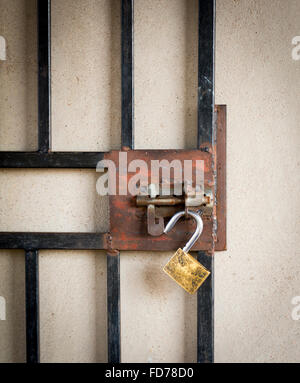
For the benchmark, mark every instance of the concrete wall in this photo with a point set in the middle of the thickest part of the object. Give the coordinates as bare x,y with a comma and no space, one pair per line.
256,77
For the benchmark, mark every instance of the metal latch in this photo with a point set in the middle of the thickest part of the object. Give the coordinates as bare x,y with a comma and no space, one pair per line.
160,206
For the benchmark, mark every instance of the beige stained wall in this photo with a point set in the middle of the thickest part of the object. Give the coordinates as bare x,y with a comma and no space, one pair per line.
256,278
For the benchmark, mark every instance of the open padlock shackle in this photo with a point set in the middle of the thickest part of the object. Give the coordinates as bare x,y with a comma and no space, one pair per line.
197,233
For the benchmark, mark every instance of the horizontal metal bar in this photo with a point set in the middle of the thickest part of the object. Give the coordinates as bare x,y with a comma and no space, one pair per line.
59,241
80,160
160,201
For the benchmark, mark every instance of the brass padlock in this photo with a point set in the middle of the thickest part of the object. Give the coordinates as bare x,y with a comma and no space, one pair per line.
182,267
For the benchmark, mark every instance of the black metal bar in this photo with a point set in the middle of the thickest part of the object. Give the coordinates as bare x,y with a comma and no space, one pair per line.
78,160
127,75
127,139
32,306
206,76
44,75
59,241
205,313
205,295
113,307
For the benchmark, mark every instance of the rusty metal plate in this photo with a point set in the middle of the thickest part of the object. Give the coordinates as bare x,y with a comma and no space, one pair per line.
128,222
221,206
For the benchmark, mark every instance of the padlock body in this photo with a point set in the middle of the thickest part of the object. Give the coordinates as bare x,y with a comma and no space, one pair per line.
186,271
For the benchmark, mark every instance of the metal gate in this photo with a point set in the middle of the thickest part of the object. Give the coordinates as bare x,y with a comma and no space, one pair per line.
45,158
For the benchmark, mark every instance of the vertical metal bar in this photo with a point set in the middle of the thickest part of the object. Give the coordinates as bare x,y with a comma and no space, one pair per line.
44,75
206,71
127,75
32,306
113,307
205,313
205,295
127,139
